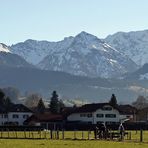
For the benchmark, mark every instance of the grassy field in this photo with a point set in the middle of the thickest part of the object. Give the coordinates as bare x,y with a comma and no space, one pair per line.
69,142
18,143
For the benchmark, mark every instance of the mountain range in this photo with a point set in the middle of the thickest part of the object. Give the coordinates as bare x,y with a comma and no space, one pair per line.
84,55
83,66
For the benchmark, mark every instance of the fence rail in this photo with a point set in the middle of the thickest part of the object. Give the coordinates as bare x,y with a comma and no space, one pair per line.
135,136
71,132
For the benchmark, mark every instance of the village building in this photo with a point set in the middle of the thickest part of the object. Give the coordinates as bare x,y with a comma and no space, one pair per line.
100,113
14,115
129,110
46,120
95,113
43,119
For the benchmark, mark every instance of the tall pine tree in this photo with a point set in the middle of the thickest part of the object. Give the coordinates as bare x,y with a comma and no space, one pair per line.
61,105
55,104
113,100
2,97
5,101
41,106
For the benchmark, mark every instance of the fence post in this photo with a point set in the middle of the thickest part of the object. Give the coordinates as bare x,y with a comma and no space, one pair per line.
82,135
74,134
25,133
130,136
88,134
51,134
40,134
57,134
29,133
8,133
54,130
44,134
141,135
32,135
16,134
63,134
1,133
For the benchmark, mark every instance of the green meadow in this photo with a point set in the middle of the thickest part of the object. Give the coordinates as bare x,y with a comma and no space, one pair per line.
19,143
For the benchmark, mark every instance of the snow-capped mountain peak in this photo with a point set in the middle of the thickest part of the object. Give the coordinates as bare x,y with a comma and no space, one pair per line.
4,48
91,42
86,38
8,59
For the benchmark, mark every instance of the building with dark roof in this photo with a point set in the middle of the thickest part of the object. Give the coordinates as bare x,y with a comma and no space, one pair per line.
142,114
16,114
99,113
43,119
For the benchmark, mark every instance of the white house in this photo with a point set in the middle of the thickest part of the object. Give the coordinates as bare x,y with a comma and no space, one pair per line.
15,115
98,113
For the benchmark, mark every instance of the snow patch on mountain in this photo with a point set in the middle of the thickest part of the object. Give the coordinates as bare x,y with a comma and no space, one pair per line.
84,54
88,56
4,48
8,59
34,51
133,44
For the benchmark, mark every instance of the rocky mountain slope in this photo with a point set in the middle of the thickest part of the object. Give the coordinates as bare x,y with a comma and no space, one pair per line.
4,48
140,74
35,51
133,44
69,86
83,54
7,58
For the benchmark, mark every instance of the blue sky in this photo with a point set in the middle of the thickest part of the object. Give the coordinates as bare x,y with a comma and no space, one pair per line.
55,19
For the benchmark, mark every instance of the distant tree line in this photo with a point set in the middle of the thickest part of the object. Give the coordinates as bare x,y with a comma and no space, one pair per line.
56,105
32,100
5,101
141,102
36,102
12,93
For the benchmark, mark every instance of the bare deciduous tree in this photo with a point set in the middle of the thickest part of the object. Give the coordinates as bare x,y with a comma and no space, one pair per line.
32,100
141,102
